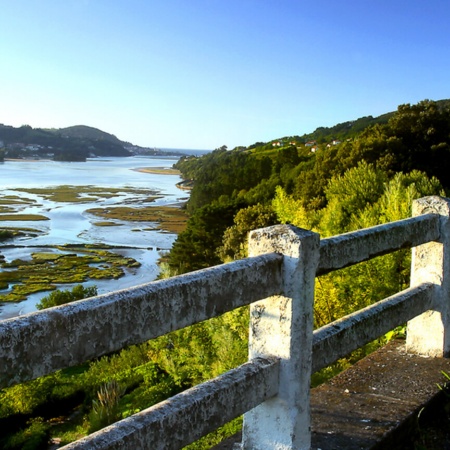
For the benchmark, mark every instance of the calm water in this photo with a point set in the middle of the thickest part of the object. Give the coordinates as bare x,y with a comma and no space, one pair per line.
69,222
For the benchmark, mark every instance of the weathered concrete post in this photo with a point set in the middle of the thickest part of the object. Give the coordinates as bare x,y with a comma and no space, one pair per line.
429,333
282,326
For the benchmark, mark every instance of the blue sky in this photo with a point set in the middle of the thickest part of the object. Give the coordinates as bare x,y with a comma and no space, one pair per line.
205,73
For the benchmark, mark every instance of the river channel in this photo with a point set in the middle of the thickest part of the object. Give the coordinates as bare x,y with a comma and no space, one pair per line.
69,223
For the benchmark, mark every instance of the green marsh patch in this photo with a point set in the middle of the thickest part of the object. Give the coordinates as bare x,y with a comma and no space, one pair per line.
12,232
166,218
11,203
106,224
45,270
22,217
86,194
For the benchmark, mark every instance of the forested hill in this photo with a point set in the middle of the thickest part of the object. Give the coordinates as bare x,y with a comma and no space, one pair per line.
85,132
328,185
72,144
67,144
351,128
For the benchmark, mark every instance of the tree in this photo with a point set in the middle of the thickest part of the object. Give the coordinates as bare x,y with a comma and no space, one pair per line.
58,297
195,248
290,210
362,197
235,239
349,193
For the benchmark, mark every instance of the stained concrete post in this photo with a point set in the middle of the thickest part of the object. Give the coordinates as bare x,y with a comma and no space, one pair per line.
282,326
429,333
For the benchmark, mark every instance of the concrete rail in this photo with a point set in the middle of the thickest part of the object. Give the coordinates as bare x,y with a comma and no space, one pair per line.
43,342
339,338
351,248
278,283
182,419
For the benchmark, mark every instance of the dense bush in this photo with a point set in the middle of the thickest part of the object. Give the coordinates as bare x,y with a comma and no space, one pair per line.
59,297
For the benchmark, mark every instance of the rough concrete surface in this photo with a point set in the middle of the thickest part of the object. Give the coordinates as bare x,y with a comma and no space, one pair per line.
374,404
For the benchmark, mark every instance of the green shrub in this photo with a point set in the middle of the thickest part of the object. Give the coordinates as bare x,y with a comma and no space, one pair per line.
58,297
34,437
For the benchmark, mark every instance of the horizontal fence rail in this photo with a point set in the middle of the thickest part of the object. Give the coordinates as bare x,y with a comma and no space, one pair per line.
43,342
273,388
337,339
182,419
351,248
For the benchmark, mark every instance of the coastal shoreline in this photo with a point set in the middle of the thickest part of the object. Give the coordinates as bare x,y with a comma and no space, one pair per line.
158,170
185,185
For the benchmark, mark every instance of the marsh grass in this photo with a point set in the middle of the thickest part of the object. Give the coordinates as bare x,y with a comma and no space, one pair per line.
45,270
16,200
165,217
23,217
106,223
10,203
85,194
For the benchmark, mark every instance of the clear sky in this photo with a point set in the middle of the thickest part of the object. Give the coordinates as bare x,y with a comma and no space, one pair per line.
205,73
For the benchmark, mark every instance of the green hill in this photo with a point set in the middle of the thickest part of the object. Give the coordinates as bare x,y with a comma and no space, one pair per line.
66,144
414,138
85,132
349,129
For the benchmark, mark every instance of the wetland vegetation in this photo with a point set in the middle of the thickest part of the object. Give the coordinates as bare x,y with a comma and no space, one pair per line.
84,194
44,271
67,405
165,218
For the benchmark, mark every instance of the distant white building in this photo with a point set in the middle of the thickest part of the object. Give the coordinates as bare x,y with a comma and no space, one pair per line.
33,147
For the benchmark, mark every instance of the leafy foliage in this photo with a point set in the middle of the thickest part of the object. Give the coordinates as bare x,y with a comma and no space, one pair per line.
195,248
33,437
235,237
59,297
371,177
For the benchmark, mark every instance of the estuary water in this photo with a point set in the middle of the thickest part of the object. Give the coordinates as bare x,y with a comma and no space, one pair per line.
69,223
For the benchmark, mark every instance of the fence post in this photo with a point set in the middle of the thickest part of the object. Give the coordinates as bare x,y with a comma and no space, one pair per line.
282,326
429,333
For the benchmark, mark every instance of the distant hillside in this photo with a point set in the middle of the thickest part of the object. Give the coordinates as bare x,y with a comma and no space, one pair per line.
85,132
76,144
345,130
351,128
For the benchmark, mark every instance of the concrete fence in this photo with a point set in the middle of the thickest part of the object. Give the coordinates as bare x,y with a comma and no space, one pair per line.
272,389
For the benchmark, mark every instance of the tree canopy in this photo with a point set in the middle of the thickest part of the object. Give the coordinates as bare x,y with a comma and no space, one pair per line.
327,183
